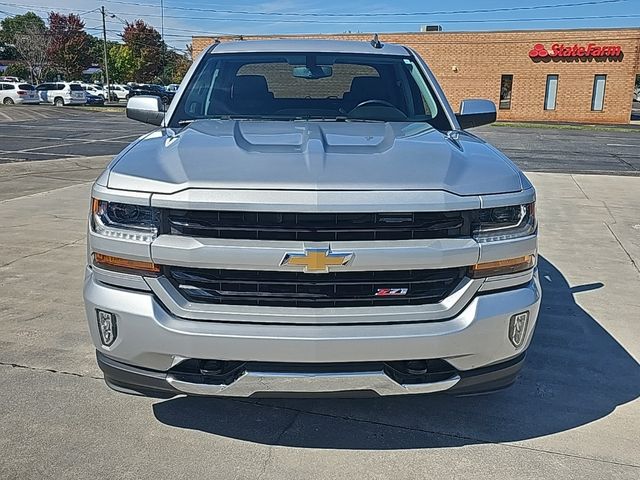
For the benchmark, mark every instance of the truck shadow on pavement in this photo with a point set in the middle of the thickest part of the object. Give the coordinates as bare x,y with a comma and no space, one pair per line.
575,373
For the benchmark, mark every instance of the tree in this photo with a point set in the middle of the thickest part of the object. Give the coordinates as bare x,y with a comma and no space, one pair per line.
18,24
176,67
7,51
25,37
69,49
122,63
147,48
32,46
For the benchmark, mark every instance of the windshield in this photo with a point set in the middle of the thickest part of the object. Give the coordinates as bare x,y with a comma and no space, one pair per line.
280,86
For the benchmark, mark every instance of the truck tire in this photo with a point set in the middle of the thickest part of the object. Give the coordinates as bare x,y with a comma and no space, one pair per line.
58,102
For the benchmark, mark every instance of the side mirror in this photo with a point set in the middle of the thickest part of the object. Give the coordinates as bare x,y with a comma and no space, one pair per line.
476,112
146,109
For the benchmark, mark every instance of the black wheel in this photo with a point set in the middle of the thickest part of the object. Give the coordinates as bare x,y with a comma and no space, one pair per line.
8,101
58,102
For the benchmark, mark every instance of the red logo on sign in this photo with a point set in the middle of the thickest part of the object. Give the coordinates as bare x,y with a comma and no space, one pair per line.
538,51
560,50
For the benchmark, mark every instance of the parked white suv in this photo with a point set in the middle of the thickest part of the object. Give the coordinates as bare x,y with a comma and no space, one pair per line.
62,93
119,92
96,90
11,93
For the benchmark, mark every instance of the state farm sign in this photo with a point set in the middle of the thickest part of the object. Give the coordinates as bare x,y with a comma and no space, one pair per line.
560,50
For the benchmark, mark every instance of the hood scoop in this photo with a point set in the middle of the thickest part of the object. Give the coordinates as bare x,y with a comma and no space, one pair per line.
292,137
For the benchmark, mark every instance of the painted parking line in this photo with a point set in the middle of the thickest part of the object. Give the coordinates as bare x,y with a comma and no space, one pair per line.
9,152
65,129
77,139
621,145
81,142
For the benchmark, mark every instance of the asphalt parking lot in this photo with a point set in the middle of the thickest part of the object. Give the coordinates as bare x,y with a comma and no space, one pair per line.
43,132
573,413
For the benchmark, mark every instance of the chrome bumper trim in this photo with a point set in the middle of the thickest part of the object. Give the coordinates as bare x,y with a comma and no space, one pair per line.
250,383
179,306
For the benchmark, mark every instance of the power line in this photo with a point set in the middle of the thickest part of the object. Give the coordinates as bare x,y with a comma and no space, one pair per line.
391,22
378,14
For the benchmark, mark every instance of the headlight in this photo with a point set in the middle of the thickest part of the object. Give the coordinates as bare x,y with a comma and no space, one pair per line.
505,223
124,221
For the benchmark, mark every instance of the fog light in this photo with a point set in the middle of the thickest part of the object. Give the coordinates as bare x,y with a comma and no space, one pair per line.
518,328
107,327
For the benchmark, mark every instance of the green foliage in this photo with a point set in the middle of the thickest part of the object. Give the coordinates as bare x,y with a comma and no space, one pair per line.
64,50
148,49
12,26
122,63
176,68
19,70
7,52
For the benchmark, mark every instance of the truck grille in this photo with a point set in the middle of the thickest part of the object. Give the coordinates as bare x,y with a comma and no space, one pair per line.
319,226
297,289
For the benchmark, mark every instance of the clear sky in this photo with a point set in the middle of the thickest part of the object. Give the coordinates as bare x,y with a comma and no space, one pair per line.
186,17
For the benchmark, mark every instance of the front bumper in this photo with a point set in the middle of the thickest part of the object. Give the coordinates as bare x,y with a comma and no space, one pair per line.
138,381
150,341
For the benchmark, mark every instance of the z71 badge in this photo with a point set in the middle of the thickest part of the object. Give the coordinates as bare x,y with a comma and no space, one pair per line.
391,292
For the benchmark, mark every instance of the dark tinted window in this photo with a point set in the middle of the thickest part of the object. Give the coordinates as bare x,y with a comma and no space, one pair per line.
41,87
311,86
25,86
76,87
8,86
506,85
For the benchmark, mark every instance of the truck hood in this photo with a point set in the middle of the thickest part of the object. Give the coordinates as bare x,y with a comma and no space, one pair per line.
298,155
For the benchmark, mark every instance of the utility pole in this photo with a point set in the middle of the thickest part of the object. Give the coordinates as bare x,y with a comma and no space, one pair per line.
106,65
164,45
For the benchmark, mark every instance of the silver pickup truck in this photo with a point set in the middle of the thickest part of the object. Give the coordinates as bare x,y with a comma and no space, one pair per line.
311,218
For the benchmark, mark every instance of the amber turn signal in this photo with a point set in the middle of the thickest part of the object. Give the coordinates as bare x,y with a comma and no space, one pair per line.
502,267
134,266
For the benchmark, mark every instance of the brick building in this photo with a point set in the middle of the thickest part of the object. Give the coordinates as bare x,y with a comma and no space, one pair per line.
549,75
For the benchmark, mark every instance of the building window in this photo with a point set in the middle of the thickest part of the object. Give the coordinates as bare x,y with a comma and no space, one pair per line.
551,92
506,84
597,99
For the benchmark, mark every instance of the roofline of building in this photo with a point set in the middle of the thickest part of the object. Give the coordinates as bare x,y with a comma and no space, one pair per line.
457,32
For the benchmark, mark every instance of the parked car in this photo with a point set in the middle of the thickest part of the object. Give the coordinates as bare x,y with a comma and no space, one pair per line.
11,93
119,92
285,234
61,93
95,90
10,79
154,90
94,99
172,87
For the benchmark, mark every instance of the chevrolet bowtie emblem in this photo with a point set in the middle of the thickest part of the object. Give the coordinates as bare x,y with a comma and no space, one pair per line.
316,260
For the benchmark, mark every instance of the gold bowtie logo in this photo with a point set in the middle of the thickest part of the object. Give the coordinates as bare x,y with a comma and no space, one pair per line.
316,260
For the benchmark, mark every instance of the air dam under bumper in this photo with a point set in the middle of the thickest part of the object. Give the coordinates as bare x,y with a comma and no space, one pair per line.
150,341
